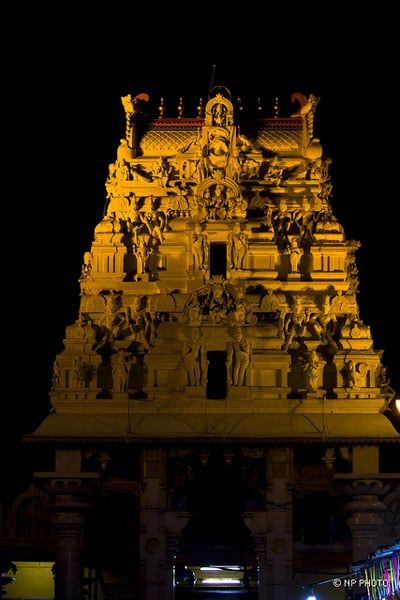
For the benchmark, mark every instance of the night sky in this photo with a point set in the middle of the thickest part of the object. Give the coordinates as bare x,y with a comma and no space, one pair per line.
66,120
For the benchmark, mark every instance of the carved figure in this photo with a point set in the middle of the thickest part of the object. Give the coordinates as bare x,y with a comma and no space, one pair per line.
141,253
194,360
199,248
237,247
238,360
294,323
218,151
304,219
155,223
56,383
274,174
120,367
281,221
219,114
87,265
79,372
295,255
349,374
310,366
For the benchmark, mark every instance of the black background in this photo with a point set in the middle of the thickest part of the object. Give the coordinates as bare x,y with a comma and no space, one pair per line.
65,74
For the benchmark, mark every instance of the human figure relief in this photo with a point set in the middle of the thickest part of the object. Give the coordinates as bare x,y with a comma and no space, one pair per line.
79,372
238,360
57,372
132,107
141,253
295,255
193,360
219,114
87,265
310,366
237,247
120,367
348,372
304,219
294,323
155,223
218,152
199,248
274,174
281,221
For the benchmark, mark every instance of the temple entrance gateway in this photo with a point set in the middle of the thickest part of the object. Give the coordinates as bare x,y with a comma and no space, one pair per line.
215,553
218,336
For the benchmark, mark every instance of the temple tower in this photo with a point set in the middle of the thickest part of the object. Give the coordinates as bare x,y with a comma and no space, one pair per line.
218,332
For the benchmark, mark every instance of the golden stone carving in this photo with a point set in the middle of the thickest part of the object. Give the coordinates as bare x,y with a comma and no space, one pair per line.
217,247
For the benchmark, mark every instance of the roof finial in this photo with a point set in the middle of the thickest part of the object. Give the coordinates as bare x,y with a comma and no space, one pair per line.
200,108
161,108
276,107
180,108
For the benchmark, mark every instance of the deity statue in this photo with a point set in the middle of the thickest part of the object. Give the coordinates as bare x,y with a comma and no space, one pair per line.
310,366
219,114
238,360
154,259
155,223
141,253
320,169
237,247
132,109
281,222
118,208
304,219
274,174
199,248
194,311
349,374
294,323
79,373
162,170
295,255
270,303
239,314
340,304
195,360
218,152
120,367
87,265
57,372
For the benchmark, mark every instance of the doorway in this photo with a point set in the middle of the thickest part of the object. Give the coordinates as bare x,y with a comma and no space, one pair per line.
216,375
218,258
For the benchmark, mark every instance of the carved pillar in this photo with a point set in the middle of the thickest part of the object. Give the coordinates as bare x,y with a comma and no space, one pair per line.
257,523
279,524
69,494
174,522
272,530
153,584
366,512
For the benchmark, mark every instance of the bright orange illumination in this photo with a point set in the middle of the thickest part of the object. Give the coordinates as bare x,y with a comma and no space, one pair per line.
398,405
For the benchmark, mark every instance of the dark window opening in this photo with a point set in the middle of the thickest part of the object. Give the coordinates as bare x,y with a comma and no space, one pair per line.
216,376
218,259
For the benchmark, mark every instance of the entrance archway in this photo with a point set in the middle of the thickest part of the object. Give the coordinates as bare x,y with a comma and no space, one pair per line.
215,557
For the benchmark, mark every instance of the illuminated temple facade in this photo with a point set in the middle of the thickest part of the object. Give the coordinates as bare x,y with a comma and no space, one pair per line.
218,403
